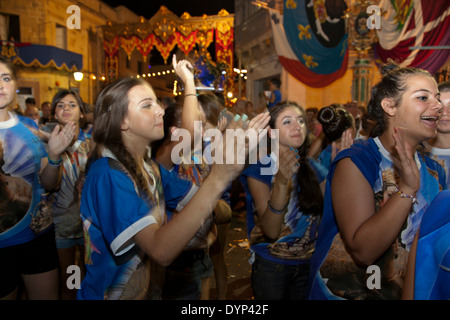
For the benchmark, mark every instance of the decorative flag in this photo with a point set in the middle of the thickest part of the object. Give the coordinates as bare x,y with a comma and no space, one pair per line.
316,63
411,24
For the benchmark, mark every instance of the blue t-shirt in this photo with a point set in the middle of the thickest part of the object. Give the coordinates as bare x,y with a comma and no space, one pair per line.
180,185
277,94
441,156
113,211
333,274
296,241
24,213
432,270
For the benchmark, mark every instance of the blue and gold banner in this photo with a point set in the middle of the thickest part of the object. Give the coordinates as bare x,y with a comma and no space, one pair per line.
316,32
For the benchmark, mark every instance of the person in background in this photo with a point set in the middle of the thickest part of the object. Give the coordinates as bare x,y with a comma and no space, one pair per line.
27,172
65,202
314,126
167,101
275,95
338,132
215,119
46,108
32,112
438,148
240,106
377,192
30,102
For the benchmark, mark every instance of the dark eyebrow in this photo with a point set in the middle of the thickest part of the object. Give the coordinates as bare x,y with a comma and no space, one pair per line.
145,99
437,94
299,116
67,101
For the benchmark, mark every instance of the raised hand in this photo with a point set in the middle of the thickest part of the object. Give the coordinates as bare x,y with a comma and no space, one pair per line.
183,69
345,143
405,163
234,152
60,139
288,165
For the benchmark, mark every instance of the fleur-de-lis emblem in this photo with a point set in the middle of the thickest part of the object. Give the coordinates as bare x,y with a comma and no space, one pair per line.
304,32
309,61
291,4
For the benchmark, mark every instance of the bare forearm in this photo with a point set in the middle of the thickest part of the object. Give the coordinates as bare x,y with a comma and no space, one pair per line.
167,242
272,222
379,232
51,175
191,109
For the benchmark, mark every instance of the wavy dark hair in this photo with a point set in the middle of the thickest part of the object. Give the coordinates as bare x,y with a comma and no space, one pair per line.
61,94
309,194
111,107
392,85
335,119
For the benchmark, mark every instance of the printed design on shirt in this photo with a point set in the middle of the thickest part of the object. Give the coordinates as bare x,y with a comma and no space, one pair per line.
298,232
299,248
65,203
133,284
89,246
17,173
41,216
193,172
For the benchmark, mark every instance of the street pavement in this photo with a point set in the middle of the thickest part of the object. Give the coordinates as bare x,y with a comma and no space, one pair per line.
236,255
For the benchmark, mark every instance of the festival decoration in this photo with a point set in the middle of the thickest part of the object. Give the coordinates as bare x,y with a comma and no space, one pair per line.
42,56
361,39
414,33
165,31
111,49
310,47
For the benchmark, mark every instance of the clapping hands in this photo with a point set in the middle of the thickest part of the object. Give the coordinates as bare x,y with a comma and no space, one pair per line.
60,138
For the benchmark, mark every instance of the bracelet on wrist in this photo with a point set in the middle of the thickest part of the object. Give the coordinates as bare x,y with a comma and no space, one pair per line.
190,94
275,210
54,163
404,195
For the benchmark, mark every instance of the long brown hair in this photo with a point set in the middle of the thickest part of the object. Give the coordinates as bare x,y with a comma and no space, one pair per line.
309,194
111,108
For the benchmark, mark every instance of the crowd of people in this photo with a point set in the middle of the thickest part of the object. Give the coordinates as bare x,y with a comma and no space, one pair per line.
338,191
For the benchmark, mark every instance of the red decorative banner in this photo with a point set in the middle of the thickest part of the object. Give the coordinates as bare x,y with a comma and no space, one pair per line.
224,47
146,45
111,58
186,43
204,39
111,47
128,44
165,48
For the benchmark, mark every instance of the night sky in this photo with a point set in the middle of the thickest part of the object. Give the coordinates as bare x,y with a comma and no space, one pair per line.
148,8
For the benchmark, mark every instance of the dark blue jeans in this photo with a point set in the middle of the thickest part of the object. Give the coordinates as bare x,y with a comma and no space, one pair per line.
274,281
183,278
